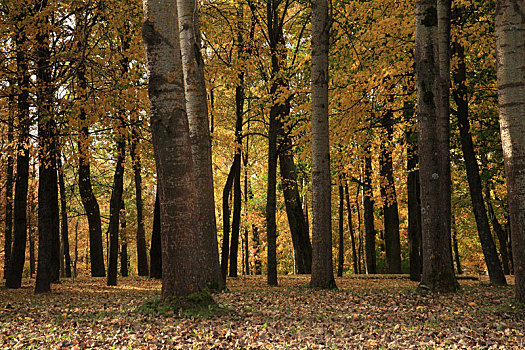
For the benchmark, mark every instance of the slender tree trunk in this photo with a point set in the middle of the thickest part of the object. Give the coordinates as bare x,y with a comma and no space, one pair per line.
431,57
510,40
414,206
64,217
360,258
115,206
142,255
16,262
455,245
509,245
226,222
322,269
89,200
31,230
155,252
388,194
237,195
368,208
500,233
257,269
182,267
355,257
488,246
197,111
124,261
341,247
271,198
8,233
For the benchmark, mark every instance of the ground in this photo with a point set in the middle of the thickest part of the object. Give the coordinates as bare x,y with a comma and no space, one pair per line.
376,313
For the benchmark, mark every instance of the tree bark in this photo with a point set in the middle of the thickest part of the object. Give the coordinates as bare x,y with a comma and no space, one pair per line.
431,57
64,217
142,255
414,206
510,40
155,252
322,269
197,111
500,233
388,194
455,245
115,205
341,246
8,233
226,222
368,209
124,261
488,246
355,256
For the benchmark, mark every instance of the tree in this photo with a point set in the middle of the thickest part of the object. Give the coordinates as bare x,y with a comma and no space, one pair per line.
368,209
181,248
510,26
8,233
432,38
155,252
322,267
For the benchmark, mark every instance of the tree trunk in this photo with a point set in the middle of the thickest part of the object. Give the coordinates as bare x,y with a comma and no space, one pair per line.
63,215
197,111
455,245
368,208
322,269
388,194
142,255
89,200
8,233
124,261
182,266
237,195
257,269
341,247
115,205
271,198
510,40
500,233
431,58
414,206
31,230
355,257
155,253
226,221
488,246
16,262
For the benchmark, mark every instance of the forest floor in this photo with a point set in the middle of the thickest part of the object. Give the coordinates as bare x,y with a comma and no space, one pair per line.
374,313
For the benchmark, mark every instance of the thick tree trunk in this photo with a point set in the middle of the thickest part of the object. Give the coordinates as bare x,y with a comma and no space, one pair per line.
488,246
432,22
368,209
8,233
341,246
182,270
89,200
414,206
197,111
16,262
388,194
510,40
64,218
155,253
226,221
322,269
115,205
355,257
124,261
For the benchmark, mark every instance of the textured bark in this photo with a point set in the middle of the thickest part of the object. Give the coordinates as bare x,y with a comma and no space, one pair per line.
115,205
488,246
368,216
355,257
64,230
124,261
389,197
414,206
322,269
155,252
197,111
294,212
226,222
510,41
16,263
341,246
432,22
89,201
142,255
8,233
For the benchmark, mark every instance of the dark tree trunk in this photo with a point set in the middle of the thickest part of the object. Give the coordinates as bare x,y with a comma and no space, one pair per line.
31,230
124,261
414,206
509,246
368,208
247,194
355,258
155,253
455,245
271,198
8,233
388,194
341,247
142,255
500,233
16,262
294,211
257,265
115,205
226,221
89,200
360,253
63,212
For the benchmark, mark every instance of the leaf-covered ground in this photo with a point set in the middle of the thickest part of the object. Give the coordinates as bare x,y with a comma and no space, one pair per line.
363,313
